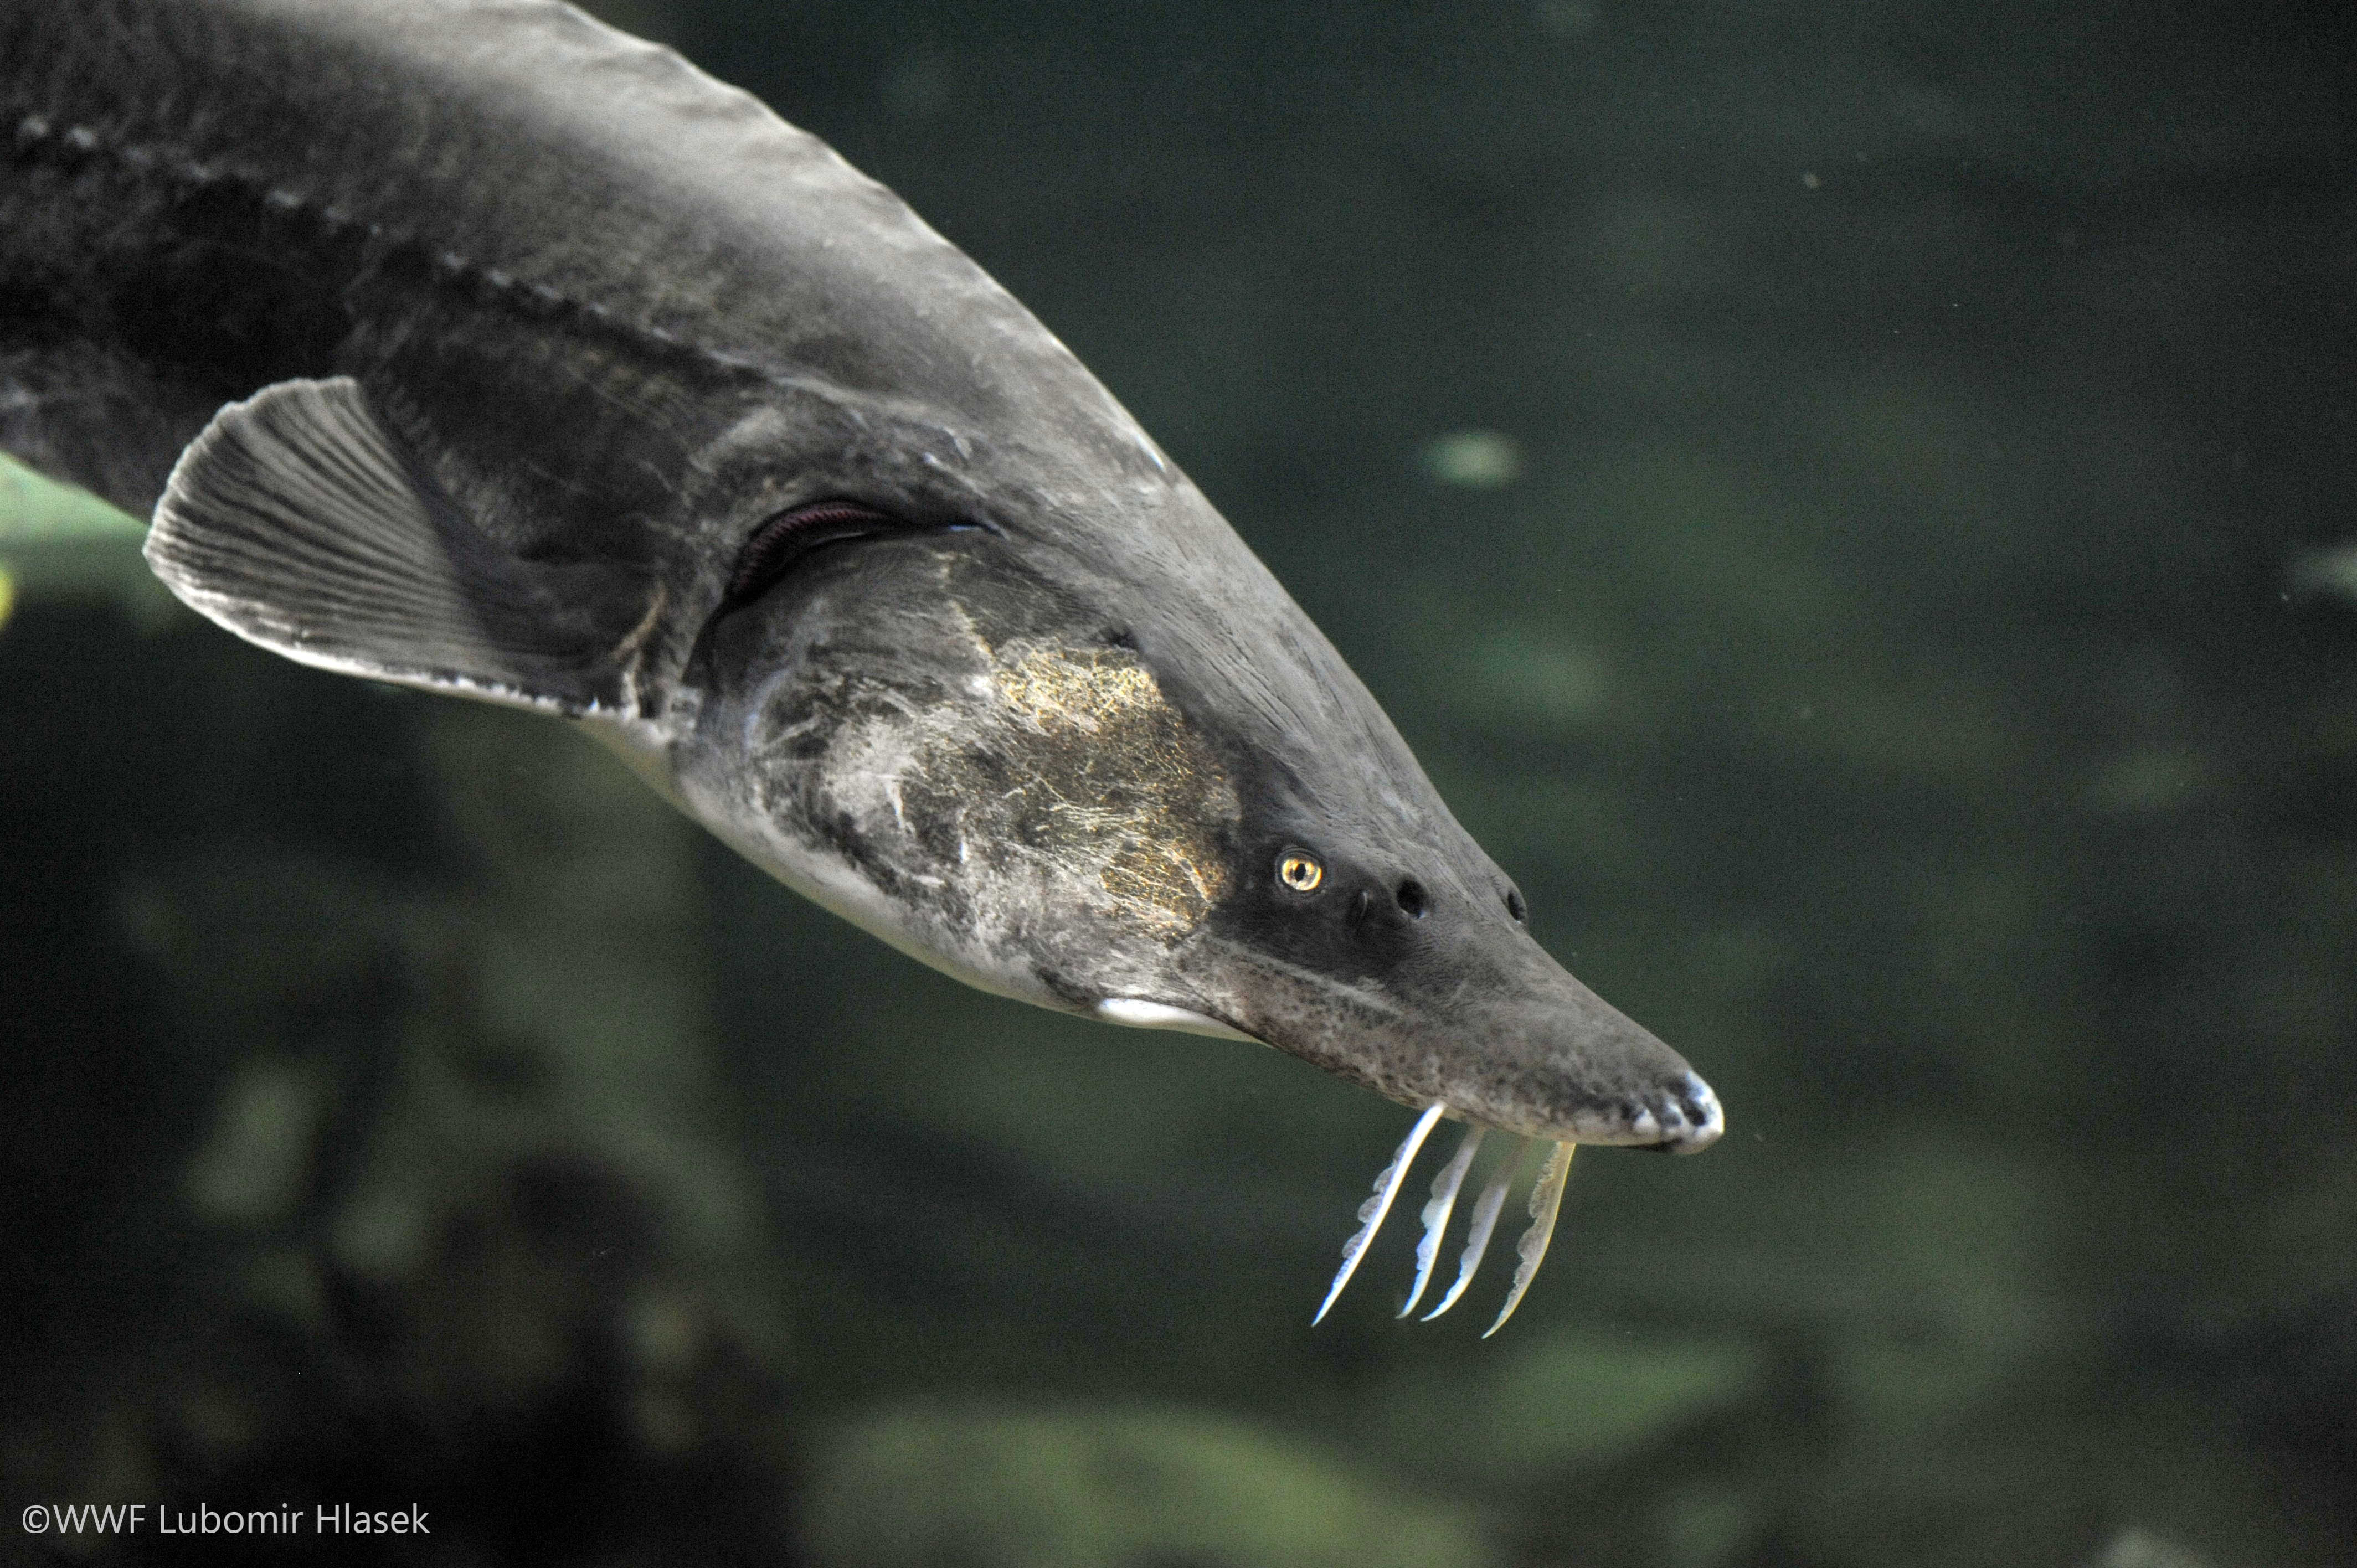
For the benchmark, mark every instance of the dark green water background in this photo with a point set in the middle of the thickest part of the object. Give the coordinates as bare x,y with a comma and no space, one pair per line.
1842,498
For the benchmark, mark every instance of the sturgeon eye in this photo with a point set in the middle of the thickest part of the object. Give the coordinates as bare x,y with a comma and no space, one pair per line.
1299,872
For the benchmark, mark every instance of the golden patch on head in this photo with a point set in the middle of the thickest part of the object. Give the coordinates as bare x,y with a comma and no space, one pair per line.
1084,768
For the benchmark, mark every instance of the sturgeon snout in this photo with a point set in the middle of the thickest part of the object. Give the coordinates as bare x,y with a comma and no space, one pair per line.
1689,1119
1430,989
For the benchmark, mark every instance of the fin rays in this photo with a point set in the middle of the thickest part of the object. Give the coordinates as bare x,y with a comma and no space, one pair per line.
1545,1203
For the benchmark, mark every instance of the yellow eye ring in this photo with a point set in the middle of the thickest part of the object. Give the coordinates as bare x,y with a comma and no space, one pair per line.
1300,873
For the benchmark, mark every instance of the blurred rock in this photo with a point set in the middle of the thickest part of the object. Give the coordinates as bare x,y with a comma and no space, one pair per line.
1573,1401
989,1486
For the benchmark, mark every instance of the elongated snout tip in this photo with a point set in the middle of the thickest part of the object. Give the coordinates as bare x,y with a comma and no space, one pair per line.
1684,1119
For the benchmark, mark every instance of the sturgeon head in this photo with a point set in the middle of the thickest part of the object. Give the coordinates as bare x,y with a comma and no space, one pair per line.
857,562
1087,753
1105,765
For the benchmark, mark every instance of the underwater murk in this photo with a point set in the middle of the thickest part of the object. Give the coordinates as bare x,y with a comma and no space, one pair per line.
1852,513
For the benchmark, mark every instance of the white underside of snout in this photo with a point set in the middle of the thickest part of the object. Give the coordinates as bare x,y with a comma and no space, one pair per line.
1132,1013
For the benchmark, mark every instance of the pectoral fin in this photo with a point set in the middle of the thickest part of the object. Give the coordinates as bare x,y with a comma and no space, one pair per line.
299,522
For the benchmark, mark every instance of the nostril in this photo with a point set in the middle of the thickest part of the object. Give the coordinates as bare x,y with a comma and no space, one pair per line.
1515,907
1412,900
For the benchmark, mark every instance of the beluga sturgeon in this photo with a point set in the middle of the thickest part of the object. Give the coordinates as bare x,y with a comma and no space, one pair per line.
474,346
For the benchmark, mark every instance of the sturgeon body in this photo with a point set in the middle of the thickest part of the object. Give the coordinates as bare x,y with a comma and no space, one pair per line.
471,345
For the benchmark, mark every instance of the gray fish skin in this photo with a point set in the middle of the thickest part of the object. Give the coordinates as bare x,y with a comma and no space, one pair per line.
526,328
